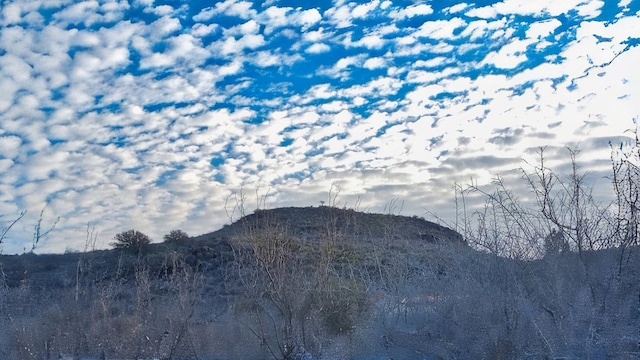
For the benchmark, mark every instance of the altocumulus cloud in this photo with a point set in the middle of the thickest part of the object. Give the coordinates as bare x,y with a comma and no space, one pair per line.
148,114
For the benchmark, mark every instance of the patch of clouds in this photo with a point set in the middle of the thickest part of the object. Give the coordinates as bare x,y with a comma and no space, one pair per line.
241,9
306,18
315,36
77,13
509,56
276,17
479,28
411,11
372,41
440,29
341,68
318,48
11,14
457,8
340,17
9,146
541,29
375,63
363,10
201,30
162,10
588,9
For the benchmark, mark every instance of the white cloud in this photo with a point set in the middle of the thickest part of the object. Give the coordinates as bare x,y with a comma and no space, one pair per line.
163,10
362,10
486,12
374,63
431,63
440,29
509,56
341,16
411,11
9,146
589,8
348,61
478,28
457,8
143,3
11,14
315,35
266,59
306,18
275,17
164,26
369,41
543,28
201,30
241,9
318,48
77,13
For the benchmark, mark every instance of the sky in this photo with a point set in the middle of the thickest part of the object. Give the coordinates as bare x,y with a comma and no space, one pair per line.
151,115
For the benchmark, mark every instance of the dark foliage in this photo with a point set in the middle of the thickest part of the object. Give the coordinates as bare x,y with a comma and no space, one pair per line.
176,236
131,240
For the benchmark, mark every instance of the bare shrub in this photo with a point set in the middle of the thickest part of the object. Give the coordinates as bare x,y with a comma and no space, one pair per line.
5,229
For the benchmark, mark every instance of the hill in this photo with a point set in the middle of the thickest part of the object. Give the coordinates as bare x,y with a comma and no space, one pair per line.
213,250
314,223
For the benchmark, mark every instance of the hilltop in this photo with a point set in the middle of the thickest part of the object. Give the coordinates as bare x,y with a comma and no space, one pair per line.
314,223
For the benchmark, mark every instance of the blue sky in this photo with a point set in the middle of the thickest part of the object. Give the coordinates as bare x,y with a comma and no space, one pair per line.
149,114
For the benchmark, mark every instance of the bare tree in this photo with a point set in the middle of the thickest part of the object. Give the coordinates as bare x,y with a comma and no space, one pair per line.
39,232
5,229
625,160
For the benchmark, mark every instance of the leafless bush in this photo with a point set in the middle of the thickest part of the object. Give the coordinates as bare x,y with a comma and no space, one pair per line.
5,229
563,215
625,159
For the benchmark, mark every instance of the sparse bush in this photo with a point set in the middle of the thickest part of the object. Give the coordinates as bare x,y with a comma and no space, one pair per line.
176,237
131,240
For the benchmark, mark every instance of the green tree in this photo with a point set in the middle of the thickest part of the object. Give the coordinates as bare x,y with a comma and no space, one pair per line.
131,240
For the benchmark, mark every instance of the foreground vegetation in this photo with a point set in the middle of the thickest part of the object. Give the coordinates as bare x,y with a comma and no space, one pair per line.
557,278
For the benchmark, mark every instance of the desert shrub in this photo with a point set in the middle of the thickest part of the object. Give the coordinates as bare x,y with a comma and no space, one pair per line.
343,307
176,236
131,240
